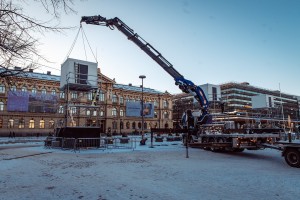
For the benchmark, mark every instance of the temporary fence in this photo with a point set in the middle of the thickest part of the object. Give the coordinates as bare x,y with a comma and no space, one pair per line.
91,143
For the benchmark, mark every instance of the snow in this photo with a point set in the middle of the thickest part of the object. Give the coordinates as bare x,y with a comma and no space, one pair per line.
162,172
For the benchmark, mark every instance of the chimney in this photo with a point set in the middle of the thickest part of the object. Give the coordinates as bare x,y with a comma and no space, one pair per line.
17,68
30,70
130,84
48,72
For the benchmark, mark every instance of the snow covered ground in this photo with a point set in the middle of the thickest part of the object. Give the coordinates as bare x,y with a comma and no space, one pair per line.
162,172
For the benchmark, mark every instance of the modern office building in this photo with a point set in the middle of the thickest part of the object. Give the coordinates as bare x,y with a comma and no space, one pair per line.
244,103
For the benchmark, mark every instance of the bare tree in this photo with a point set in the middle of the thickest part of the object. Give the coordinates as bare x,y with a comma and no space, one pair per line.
18,34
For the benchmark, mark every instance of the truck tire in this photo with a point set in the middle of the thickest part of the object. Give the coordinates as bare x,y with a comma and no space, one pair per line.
292,157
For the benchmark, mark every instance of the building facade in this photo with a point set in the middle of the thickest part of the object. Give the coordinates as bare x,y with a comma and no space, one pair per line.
35,104
244,104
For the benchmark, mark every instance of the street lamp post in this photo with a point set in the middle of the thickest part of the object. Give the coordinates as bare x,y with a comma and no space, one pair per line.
142,104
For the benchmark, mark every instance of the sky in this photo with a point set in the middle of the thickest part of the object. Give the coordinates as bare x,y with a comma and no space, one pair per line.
207,41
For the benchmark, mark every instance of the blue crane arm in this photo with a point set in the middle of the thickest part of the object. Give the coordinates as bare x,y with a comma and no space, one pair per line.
185,85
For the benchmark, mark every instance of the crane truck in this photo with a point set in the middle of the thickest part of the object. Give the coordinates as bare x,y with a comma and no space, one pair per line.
202,132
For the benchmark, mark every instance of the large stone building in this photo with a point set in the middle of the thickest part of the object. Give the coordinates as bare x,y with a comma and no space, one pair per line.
34,103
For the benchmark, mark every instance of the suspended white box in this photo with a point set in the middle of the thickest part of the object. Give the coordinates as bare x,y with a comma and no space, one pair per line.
78,75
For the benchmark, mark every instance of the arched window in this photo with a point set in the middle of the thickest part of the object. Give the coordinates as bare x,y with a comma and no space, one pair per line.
133,125
42,123
10,123
31,123
94,112
127,125
13,88
53,92
51,123
139,125
121,113
166,125
114,98
24,89
114,112
88,112
101,113
21,123
33,91
44,91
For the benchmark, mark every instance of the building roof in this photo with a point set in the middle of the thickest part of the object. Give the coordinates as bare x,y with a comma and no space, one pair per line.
47,77
136,89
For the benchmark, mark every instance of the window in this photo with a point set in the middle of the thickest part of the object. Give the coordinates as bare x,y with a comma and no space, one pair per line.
74,95
101,97
88,112
101,113
155,104
2,89
114,125
24,89
31,123
166,104
94,112
1,122
89,96
145,125
133,125
21,123
121,100
166,115
42,123
33,91
51,124
121,113
61,95
1,106
61,109
13,88
73,110
155,114
10,123
114,112
114,98
139,125
44,91
121,125
53,92
127,125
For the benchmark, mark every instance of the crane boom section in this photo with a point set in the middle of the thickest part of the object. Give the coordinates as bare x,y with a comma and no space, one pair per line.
139,41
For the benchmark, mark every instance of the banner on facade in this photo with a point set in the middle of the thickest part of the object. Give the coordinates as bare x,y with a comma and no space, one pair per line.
19,101
133,109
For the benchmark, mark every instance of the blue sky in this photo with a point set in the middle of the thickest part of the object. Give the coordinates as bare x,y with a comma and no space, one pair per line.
207,41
